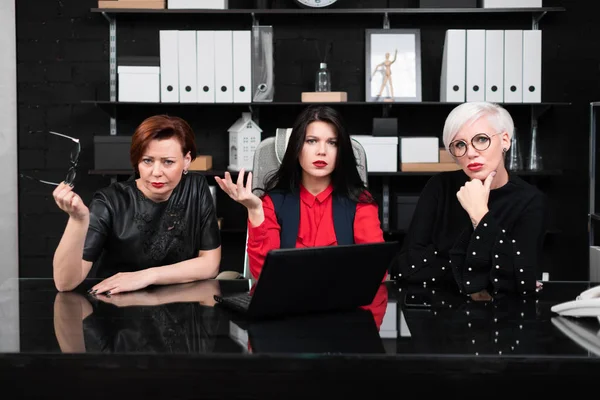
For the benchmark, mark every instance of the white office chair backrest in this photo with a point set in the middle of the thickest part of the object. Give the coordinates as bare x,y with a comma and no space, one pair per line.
269,155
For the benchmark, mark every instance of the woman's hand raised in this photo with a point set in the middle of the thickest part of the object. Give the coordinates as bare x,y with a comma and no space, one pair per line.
240,192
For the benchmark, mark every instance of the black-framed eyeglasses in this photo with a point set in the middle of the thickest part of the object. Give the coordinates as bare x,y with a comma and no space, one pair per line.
74,160
480,142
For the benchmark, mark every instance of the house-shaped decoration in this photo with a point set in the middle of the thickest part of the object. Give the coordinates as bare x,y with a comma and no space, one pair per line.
244,136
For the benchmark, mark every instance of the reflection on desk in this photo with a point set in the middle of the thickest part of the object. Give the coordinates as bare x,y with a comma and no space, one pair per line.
442,321
184,319
167,319
346,332
404,319
174,338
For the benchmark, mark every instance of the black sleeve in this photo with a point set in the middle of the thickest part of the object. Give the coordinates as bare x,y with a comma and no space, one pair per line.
491,255
419,261
99,228
209,236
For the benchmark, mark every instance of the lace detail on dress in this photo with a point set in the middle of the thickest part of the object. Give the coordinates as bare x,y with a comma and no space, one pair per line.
163,238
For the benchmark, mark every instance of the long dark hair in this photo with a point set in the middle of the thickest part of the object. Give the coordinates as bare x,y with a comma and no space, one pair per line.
345,178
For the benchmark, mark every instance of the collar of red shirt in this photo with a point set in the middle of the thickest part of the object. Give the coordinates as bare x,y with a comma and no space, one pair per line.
310,199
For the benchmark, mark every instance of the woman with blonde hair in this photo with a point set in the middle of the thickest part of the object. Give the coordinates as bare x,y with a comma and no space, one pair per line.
479,227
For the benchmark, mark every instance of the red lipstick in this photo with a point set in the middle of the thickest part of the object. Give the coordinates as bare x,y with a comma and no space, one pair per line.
157,185
475,166
320,164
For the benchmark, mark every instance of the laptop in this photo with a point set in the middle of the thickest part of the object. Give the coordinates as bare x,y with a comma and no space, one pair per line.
315,279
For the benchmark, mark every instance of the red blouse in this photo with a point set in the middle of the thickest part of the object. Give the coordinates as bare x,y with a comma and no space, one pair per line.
315,229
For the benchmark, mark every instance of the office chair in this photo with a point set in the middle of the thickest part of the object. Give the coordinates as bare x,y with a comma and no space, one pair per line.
267,158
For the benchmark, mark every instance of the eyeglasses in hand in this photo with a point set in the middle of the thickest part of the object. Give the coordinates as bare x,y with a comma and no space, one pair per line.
74,160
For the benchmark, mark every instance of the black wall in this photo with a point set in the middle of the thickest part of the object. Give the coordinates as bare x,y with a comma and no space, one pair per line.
62,57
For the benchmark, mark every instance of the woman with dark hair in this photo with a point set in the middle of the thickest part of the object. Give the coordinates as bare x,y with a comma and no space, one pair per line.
158,229
315,198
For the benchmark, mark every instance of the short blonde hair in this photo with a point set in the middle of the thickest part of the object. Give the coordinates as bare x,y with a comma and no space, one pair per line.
468,113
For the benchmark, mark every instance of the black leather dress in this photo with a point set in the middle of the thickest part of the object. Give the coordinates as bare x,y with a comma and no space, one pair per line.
129,232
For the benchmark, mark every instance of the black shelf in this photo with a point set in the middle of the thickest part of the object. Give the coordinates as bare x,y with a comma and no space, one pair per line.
296,103
110,107
221,172
308,11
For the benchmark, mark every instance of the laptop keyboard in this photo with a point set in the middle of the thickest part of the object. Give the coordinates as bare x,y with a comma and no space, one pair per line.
240,301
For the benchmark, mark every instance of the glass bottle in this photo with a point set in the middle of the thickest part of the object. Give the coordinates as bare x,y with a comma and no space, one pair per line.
514,156
534,162
323,79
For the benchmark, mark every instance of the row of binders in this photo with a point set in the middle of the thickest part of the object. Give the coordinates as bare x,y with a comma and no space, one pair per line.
205,66
216,66
492,65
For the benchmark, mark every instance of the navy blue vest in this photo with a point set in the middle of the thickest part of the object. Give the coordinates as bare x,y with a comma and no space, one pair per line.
287,210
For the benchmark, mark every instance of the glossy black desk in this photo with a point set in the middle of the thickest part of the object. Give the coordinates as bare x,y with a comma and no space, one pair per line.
173,342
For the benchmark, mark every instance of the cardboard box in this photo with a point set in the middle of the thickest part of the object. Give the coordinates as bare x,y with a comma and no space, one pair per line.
147,4
201,163
445,156
324,97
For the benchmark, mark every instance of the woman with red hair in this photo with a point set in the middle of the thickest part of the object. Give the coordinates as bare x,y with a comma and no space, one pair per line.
160,228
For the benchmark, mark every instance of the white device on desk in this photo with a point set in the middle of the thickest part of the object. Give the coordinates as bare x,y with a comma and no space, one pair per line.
587,304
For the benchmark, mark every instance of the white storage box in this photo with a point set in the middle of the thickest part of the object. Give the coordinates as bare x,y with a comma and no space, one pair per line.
139,83
382,152
511,3
198,4
419,150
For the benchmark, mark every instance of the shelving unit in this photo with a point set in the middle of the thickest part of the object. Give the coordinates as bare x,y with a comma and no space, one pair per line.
111,106
111,15
536,12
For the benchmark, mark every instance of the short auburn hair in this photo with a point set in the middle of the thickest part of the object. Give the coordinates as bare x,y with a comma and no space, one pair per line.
160,127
